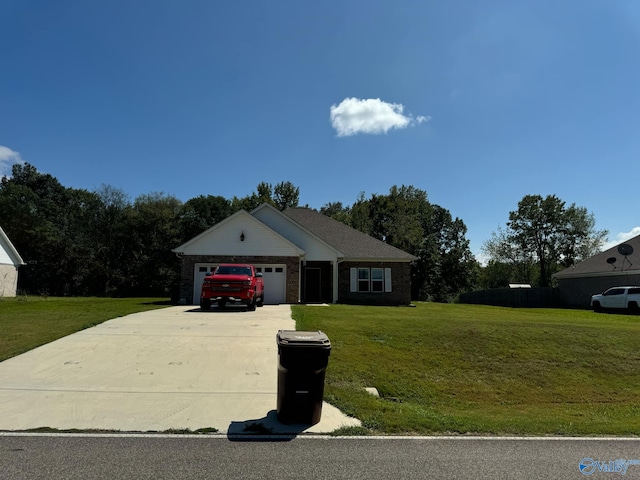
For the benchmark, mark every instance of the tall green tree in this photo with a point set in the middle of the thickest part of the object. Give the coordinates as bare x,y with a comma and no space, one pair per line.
447,249
400,216
154,227
285,195
75,240
508,262
545,232
201,213
263,194
337,211
361,215
581,239
538,227
495,275
111,241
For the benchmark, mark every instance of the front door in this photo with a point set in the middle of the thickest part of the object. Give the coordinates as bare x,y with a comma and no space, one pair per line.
312,283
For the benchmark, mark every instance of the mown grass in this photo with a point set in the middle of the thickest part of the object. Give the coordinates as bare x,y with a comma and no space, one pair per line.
450,368
28,322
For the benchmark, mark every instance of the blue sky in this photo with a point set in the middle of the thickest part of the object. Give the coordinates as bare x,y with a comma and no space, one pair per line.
476,103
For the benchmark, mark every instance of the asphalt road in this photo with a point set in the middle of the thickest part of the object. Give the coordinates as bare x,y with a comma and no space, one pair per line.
311,457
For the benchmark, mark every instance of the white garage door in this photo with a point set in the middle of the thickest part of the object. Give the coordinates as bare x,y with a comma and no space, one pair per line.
274,281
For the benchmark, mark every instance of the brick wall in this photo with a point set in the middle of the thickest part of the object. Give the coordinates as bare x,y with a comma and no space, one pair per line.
400,284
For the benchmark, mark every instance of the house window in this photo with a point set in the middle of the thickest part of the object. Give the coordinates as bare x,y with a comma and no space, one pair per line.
363,280
375,280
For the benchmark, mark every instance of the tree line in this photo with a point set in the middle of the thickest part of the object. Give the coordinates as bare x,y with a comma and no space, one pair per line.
82,243
101,243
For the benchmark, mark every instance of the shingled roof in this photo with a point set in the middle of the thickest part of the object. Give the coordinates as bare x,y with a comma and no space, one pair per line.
351,242
603,263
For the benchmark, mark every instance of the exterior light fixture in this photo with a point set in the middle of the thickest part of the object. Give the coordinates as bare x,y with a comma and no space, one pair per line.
242,236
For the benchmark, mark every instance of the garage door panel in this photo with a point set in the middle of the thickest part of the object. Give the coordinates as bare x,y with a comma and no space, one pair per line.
274,277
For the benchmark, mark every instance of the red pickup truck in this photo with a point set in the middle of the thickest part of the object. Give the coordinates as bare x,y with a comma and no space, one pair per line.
233,282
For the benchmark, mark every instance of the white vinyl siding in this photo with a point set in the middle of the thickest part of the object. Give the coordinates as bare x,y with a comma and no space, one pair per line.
314,248
375,280
241,235
5,259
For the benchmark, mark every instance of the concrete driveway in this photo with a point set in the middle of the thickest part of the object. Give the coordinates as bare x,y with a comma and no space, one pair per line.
174,368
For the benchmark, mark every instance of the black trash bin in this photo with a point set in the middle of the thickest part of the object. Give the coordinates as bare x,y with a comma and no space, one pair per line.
302,362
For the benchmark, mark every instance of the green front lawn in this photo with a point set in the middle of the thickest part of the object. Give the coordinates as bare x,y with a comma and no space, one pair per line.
449,368
439,368
28,322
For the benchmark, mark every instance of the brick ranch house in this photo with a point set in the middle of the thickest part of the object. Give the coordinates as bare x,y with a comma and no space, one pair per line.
10,261
304,256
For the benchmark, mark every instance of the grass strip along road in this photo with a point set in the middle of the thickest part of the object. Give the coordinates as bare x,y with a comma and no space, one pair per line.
479,369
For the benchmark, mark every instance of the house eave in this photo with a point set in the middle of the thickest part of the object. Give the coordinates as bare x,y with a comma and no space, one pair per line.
380,259
612,273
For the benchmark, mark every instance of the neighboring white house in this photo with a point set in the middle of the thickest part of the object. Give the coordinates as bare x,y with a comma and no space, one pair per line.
9,262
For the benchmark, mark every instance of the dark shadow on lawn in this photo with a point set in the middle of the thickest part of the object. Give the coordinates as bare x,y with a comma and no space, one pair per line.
266,429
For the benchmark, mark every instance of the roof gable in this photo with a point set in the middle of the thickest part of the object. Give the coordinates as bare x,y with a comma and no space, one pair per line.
354,244
609,262
239,234
315,248
8,253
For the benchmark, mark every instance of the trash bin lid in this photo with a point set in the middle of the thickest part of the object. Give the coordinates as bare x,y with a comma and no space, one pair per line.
302,339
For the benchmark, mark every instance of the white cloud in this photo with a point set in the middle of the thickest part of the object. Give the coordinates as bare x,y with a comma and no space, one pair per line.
7,158
372,116
622,237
